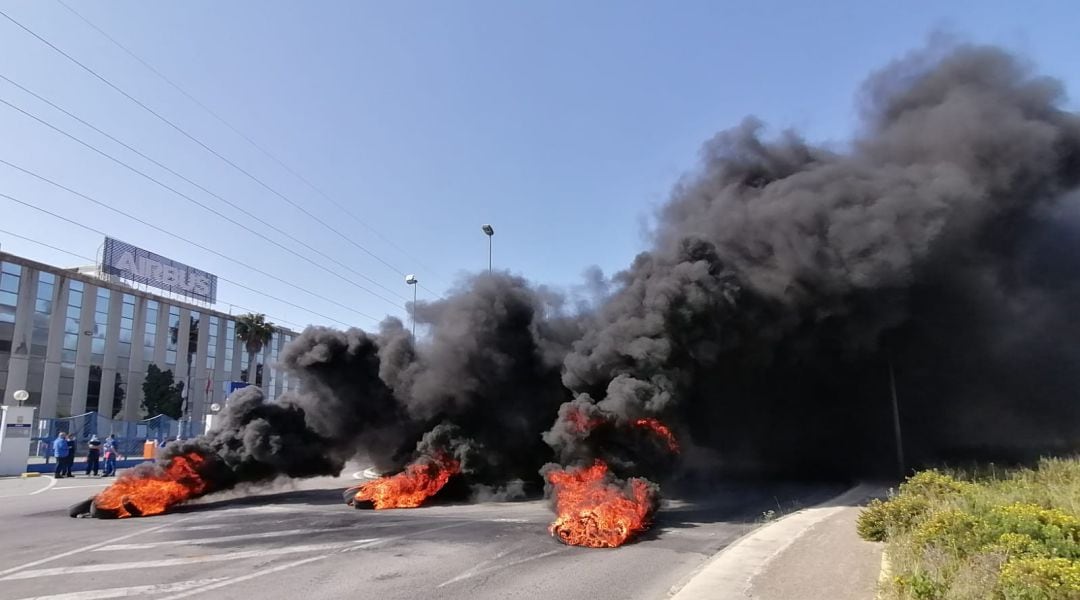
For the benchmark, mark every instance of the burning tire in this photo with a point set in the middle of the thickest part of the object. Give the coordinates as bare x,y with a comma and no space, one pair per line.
349,496
103,513
81,509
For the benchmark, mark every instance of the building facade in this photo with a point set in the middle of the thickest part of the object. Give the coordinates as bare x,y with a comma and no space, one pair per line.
80,342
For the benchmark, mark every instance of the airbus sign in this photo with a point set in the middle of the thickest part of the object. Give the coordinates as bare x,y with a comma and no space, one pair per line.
135,264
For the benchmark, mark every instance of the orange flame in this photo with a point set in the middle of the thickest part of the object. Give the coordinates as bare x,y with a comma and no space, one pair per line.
141,494
408,489
592,512
661,430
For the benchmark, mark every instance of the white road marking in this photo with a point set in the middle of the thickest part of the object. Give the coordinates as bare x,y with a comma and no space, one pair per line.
75,487
254,575
267,571
214,540
52,482
90,547
476,568
201,527
474,571
259,508
369,473
187,560
124,592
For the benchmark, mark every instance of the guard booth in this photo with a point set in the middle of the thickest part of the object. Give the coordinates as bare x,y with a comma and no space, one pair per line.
211,418
16,424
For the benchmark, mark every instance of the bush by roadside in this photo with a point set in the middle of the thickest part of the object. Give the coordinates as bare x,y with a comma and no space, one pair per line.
1002,536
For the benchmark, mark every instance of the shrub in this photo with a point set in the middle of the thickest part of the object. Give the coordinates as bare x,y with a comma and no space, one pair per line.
933,484
901,513
954,531
1052,532
1012,536
919,586
1040,579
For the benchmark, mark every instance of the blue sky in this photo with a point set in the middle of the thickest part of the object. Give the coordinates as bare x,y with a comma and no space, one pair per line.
564,124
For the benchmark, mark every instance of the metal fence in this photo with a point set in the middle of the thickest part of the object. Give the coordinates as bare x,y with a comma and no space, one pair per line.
130,435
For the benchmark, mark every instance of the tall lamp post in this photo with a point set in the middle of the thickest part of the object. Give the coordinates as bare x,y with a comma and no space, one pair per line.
490,232
412,280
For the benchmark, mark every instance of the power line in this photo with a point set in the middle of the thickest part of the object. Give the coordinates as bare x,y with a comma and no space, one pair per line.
194,201
164,231
91,259
247,139
183,132
188,180
236,283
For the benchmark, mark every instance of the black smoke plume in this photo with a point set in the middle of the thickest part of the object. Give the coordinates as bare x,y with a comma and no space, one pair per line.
783,283
480,389
786,277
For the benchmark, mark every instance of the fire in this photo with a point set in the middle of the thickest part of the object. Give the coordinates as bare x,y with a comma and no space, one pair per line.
661,430
594,512
408,489
579,423
139,494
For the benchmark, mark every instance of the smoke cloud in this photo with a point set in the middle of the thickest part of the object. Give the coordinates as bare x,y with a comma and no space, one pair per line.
785,279
783,283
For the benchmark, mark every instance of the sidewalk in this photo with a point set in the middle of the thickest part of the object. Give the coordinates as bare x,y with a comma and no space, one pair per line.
813,554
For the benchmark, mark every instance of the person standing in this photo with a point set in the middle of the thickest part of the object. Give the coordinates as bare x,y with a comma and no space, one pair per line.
60,451
73,447
93,455
110,456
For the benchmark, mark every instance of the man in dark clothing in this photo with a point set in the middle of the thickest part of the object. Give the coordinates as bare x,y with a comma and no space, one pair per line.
73,446
93,455
60,451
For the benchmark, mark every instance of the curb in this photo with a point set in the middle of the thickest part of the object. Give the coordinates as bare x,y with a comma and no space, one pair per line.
883,576
78,466
729,573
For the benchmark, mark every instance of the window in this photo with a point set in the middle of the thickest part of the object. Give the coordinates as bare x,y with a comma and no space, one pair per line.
10,276
150,332
173,337
127,323
71,323
191,346
269,370
101,326
71,344
211,343
230,344
43,305
285,374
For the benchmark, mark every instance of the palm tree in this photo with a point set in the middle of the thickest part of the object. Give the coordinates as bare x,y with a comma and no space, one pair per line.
255,331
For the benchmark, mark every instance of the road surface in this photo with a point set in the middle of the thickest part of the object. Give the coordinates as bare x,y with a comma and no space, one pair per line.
302,542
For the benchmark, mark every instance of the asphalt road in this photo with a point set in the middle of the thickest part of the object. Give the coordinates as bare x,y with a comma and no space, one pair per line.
302,542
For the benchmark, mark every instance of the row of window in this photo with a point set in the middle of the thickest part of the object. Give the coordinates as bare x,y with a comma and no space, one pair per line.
47,292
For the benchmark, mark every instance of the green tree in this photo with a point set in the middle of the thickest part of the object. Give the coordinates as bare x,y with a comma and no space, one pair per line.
161,395
255,331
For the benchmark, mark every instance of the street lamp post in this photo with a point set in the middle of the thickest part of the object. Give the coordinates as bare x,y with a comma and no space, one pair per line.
489,231
413,281
897,433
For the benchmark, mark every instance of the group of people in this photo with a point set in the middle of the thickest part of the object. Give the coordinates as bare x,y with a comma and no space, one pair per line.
66,446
